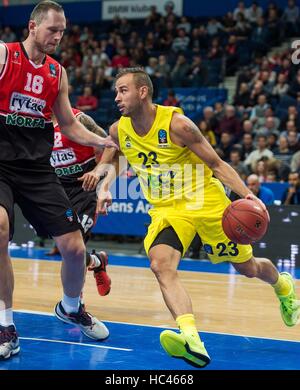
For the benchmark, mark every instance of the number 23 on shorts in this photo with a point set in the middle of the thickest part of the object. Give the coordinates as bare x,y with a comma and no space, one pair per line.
222,249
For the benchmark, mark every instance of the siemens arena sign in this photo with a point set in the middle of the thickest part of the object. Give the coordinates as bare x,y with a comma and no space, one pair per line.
136,9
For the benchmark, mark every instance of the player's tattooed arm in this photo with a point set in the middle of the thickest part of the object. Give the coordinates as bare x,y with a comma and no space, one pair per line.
191,133
91,125
185,133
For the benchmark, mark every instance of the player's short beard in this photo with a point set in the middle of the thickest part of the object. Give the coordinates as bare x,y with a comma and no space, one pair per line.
42,48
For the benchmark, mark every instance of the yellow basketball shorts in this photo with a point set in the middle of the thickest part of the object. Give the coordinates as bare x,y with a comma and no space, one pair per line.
206,221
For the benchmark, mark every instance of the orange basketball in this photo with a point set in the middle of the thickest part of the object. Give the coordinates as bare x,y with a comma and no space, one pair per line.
244,221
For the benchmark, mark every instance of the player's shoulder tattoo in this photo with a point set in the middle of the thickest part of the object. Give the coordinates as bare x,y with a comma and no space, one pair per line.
89,123
192,130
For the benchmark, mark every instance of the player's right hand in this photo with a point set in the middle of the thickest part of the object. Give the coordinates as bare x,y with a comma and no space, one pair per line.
262,205
103,202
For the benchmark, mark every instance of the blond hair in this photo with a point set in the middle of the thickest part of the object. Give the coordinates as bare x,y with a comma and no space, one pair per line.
41,9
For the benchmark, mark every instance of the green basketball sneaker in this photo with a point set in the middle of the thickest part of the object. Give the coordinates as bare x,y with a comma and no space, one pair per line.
289,304
184,347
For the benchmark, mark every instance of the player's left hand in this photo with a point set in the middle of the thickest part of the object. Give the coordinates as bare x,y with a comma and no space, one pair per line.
108,143
262,205
104,200
89,180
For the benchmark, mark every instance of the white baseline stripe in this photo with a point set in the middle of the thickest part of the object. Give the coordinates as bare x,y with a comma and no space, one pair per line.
42,313
73,343
166,326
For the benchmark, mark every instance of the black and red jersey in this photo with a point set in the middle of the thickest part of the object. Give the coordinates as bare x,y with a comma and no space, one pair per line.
70,159
27,95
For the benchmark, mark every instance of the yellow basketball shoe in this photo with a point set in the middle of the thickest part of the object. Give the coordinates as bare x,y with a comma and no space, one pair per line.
289,304
184,347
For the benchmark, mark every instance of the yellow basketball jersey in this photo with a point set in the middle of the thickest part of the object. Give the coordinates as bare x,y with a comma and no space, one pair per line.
166,171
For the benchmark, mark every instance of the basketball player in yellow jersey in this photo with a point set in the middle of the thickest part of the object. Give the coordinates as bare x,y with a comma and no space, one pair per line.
161,144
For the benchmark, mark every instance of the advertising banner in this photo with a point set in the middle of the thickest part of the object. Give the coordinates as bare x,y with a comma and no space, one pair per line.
128,214
193,100
136,9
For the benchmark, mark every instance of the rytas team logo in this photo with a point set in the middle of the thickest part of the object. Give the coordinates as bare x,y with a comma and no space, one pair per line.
25,104
16,58
62,157
69,215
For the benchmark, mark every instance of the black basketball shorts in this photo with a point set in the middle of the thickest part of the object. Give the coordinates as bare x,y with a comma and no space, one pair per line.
84,203
41,197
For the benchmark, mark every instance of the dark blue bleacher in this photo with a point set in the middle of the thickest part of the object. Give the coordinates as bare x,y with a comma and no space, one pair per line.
244,53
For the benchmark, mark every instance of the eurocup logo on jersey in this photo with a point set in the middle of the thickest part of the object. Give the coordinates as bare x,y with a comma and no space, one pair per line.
162,139
52,70
26,104
162,136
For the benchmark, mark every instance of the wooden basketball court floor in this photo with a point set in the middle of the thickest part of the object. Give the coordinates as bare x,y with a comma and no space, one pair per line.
238,318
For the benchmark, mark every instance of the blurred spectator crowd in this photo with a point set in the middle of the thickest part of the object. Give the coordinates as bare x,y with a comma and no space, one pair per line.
258,134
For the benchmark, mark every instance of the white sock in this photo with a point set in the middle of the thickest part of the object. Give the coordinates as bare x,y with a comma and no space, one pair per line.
94,262
71,305
6,317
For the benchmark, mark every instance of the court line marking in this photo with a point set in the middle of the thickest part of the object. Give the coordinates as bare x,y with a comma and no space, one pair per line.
166,326
74,343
